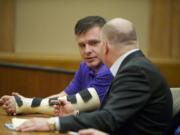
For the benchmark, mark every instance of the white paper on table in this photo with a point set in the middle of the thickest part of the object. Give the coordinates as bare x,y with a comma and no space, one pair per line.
17,122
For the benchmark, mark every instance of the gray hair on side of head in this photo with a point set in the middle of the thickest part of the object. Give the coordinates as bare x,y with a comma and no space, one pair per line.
119,31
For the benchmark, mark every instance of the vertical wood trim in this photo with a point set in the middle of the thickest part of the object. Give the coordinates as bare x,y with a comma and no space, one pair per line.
176,29
160,29
7,23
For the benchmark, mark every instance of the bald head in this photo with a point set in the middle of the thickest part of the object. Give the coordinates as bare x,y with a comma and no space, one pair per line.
119,31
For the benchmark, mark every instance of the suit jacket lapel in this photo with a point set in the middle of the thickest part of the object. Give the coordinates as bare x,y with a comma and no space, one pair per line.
107,93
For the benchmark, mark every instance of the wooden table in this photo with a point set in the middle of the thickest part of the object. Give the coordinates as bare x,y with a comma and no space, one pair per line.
4,118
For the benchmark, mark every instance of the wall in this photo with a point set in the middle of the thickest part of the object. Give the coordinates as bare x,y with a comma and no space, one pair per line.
35,33
49,24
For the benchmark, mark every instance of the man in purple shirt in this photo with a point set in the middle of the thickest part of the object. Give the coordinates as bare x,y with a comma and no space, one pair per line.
91,73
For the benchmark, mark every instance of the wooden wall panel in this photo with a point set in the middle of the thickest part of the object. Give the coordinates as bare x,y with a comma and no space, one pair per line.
160,29
32,83
7,16
164,29
176,29
164,42
170,69
40,83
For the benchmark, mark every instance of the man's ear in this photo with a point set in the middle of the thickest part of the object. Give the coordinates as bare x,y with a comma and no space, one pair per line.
106,47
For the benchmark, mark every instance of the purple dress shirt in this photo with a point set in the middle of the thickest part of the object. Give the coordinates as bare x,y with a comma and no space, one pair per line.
85,78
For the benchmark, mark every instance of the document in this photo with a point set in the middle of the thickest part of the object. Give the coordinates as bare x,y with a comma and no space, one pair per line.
15,123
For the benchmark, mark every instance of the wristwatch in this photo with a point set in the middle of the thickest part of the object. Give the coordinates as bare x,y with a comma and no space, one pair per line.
51,122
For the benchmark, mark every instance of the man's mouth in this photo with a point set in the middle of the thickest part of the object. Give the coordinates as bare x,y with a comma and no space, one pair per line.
90,59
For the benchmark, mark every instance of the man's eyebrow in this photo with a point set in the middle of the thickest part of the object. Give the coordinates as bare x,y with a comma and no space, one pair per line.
94,40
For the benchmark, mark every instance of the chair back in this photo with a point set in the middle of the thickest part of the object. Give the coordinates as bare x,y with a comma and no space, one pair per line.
176,99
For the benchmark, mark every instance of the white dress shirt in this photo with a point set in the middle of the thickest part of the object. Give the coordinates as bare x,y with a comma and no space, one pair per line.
114,68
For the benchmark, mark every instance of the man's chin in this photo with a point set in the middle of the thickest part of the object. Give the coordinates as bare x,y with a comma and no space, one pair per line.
93,64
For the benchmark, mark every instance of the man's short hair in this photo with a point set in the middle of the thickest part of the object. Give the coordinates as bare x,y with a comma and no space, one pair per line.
84,24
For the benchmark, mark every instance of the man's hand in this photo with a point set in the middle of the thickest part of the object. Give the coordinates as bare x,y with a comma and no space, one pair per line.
91,132
64,109
8,104
34,124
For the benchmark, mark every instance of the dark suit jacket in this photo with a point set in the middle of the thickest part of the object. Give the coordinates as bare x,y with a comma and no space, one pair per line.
175,123
138,102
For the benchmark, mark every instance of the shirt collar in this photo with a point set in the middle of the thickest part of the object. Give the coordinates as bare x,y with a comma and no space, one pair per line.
91,71
114,68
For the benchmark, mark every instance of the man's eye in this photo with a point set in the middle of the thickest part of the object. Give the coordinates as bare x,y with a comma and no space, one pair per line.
82,45
93,42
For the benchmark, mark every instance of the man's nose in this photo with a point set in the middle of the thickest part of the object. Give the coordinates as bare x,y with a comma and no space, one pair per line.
88,48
